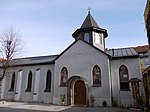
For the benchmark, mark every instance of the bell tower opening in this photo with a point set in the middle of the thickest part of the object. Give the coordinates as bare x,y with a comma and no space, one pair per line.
99,40
87,37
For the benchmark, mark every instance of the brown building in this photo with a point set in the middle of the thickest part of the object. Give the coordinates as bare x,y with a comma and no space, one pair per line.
146,72
146,82
147,19
145,68
147,22
144,59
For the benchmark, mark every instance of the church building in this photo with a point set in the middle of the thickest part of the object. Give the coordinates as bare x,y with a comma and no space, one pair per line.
85,70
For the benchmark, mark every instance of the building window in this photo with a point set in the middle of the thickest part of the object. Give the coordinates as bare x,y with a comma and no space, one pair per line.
96,76
87,37
124,78
48,81
64,76
12,86
29,83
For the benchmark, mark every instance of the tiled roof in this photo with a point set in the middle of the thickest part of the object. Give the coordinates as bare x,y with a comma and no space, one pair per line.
2,59
142,49
122,52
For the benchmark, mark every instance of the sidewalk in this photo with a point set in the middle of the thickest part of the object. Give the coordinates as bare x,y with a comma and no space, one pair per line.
33,106
56,108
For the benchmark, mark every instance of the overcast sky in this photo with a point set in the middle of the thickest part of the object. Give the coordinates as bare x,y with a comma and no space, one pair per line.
46,26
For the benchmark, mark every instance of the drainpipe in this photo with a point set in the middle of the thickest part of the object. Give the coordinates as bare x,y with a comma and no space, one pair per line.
111,94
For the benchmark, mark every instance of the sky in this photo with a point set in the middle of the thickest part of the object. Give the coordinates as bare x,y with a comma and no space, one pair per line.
46,26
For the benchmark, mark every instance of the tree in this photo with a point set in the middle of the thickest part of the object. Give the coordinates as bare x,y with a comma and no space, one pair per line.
10,47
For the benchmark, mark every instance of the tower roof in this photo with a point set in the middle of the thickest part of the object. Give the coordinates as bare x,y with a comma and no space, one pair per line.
89,22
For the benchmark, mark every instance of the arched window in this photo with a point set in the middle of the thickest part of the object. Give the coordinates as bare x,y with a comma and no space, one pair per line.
48,81
12,86
87,37
96,76
64,76
124,78
29,83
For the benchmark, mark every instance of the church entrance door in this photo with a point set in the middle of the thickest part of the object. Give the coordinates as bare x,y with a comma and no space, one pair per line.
79,93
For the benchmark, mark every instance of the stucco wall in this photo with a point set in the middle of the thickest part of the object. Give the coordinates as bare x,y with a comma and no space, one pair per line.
133,66
79,60
45,97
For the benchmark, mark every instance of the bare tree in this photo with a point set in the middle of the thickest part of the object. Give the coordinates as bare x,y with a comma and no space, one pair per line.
11,46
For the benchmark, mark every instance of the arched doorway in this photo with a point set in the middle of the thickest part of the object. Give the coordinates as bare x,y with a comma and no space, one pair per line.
79,93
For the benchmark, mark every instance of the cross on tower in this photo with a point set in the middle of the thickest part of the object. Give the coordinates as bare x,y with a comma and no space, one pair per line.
89,9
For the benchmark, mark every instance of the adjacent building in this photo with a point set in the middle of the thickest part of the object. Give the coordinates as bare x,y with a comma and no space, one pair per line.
147,19
146,72
144,59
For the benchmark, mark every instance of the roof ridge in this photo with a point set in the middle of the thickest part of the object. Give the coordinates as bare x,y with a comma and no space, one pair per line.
36,57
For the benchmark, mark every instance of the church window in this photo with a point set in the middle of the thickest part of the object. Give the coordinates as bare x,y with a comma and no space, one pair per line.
124,78
29,83
96,76
12,82
64,76
48,81
87,37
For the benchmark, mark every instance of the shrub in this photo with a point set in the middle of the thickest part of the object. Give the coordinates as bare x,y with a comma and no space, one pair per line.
62,97
92,99
140,101
114,103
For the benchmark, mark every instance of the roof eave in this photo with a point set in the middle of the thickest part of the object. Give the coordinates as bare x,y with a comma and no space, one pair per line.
32,64
124,57
99,30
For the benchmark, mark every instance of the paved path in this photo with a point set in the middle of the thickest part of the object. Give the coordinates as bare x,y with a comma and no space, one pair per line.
31,107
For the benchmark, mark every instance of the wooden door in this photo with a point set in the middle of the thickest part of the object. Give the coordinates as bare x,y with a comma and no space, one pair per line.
79,93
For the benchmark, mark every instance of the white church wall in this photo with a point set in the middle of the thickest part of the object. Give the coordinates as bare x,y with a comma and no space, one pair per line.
45,97
79,61
6,86
133,66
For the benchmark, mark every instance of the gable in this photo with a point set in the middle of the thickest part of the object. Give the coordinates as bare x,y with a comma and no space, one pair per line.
79,46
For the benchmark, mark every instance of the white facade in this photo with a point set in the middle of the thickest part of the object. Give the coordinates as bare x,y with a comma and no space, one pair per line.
80,63
38,84
124,97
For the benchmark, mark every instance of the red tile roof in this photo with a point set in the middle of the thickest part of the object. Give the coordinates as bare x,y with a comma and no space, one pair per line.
142,49
2,59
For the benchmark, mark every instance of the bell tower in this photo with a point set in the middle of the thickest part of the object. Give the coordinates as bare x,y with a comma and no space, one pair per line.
91,33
